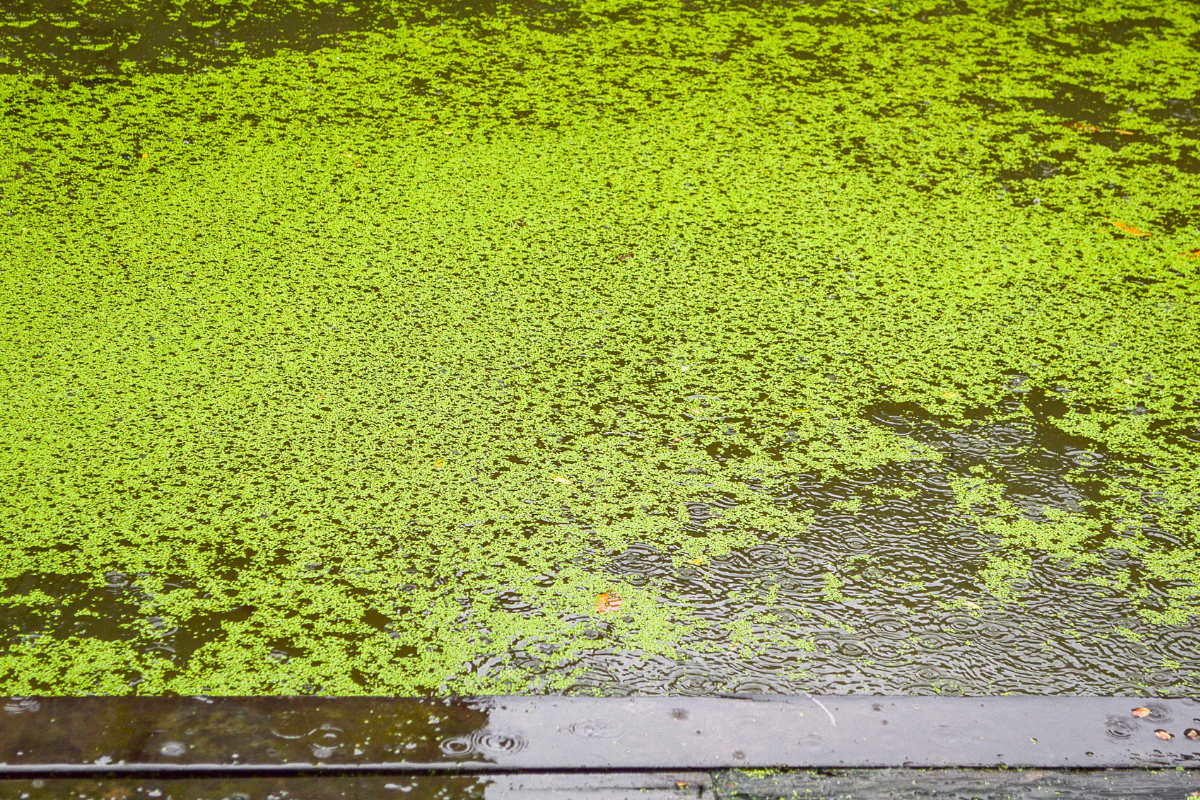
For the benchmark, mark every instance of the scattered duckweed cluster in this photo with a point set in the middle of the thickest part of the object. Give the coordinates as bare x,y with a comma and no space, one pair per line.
366,364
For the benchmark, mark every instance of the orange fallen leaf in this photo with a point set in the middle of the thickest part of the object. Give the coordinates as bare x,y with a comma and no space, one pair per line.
1082,126
563,479
1193,253
1166,737
1127,133
607,602
1192,733
697,561
1132,231
1141,712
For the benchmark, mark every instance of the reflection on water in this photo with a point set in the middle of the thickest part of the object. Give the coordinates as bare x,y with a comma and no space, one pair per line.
911,561
417,787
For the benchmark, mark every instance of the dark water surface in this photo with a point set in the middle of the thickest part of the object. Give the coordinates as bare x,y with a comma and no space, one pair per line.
614,349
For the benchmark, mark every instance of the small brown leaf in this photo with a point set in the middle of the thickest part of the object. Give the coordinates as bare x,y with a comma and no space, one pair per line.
607,602
1141,712
1166,737
1129,229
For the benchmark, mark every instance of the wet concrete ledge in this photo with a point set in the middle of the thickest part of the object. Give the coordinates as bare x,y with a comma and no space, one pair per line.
311,736
864,784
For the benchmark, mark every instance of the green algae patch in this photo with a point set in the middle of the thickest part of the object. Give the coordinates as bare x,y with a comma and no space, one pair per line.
827,338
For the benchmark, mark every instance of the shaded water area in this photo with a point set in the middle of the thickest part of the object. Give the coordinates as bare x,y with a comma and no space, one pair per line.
606,349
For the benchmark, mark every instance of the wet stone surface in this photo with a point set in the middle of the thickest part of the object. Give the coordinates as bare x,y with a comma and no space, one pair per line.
883,784
298,736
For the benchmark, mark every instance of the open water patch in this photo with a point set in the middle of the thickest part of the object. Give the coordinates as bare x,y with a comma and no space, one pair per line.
891,587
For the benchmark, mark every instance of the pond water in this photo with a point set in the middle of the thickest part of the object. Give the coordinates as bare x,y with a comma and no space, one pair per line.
604,348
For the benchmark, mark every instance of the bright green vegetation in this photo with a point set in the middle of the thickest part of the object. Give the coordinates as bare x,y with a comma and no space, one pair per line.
295,348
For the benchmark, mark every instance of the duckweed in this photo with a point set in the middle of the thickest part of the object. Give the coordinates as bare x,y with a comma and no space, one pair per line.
823,334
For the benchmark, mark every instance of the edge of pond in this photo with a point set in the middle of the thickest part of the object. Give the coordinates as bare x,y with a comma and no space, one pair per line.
347,736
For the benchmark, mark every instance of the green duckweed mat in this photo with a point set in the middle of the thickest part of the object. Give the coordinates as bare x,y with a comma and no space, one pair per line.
601,347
